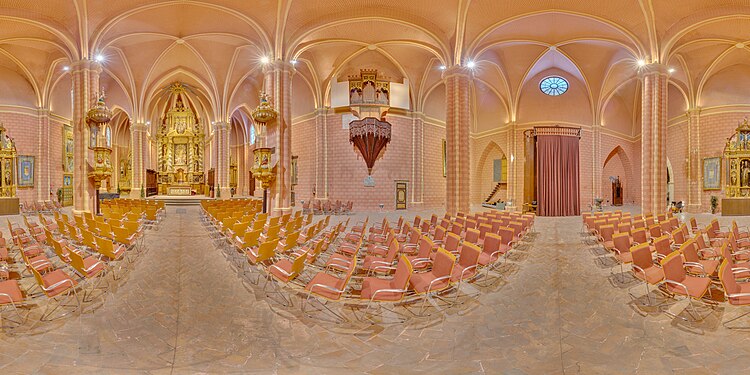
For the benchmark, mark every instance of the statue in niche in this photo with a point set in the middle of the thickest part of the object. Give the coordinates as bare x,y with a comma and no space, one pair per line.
733,178
368,92
745,172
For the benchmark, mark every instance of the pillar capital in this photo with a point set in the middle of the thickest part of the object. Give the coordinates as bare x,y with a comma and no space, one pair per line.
220,125
279,66
695,111
85,64
138,127
653,68
458,70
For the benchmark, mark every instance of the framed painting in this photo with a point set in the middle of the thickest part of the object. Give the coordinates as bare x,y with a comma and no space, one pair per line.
25,171
712,173
445,159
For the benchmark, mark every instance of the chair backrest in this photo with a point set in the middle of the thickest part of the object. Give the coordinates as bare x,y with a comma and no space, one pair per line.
393,249
267,250
673,267
425,247
451,242
472,235
607,231
444,262
621,242
491,243
662,245
291,240
76,260
417,221
469,255
298,265
694,225
654,230
439,233
273,232
457,228
639,235
728,281
106,247
678,237
642,256
689,251
403,273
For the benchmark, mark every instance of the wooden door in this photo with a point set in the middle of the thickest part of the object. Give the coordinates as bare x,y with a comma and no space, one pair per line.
401,195
251,184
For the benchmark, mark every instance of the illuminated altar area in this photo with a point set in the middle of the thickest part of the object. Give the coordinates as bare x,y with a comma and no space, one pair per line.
180,142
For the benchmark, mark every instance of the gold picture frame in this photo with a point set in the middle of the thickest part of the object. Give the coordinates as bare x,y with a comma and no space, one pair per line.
712,173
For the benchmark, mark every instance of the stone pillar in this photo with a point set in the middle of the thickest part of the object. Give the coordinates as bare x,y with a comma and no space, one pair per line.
279,88
137,145
653,138
417,177
597,166
457,124
43,164
321,153
694,160
221,140
85,78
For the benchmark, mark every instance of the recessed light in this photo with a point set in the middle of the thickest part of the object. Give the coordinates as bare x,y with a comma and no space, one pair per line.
671,70
442,67
99,58
641,62
471,64
66,68
265,60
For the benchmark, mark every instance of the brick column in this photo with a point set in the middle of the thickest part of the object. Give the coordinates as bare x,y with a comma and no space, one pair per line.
694,160
417,178
321,153
221,140
653,138
279,88
43,165
457,124
138,178
85,78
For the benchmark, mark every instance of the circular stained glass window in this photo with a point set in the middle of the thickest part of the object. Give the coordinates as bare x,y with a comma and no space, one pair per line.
553,85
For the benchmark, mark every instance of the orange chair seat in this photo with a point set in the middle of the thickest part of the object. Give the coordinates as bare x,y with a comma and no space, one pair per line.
90,261
43,265
697,286
55,277
32,251
624,257
10,287
458,273
744,288
327,280
370,265
709,267
485,259
421,283
653,275
284,264
371,285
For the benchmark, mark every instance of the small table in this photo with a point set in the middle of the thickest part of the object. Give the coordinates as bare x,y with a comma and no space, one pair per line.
179,190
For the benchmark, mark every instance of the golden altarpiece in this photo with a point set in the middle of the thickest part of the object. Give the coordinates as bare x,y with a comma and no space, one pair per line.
180,142
737,159
8,156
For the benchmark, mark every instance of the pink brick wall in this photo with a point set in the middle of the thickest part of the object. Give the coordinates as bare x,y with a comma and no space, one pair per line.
25,131
347,169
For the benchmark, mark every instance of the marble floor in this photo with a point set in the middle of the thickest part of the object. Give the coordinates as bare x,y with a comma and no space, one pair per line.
183,309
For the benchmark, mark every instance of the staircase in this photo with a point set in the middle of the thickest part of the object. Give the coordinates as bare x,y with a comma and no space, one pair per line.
494,191
181,201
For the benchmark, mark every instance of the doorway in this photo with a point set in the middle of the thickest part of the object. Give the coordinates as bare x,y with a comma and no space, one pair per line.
401,187
251,184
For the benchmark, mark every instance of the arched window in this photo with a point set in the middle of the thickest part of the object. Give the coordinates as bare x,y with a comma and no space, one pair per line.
252,134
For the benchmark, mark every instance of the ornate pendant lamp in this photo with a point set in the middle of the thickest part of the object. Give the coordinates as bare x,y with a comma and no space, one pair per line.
262,169
98,118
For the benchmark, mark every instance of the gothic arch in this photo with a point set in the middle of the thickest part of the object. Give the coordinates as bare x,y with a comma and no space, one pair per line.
483,181
618,160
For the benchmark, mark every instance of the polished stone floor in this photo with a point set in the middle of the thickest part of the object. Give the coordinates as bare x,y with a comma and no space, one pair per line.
556,309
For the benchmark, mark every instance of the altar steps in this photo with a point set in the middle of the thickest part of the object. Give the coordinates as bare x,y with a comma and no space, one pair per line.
181,201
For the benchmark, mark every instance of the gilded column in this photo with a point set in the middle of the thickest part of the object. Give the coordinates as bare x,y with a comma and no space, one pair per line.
85,78
457,84
138,178
694,163
279,88
653,138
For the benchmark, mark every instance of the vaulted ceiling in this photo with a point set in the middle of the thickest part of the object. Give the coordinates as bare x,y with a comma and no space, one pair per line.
217,46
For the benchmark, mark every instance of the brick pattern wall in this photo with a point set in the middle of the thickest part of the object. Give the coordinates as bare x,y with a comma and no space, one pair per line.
25,129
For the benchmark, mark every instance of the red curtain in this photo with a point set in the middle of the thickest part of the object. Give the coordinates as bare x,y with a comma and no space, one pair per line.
557,185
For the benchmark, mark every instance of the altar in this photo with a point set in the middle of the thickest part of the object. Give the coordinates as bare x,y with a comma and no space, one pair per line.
180,143
737,181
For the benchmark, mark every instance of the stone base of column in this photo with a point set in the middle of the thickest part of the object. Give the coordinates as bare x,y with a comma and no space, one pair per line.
80,212
693,208
281,211
415,205
135,194
226,193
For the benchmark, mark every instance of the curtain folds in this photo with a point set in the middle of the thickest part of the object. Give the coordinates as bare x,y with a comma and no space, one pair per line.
558,189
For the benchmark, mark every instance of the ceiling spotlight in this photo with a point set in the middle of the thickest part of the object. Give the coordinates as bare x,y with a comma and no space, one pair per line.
641,62
471,64
442,67
148,123
99,58
265,60
671,70
66,68
294,62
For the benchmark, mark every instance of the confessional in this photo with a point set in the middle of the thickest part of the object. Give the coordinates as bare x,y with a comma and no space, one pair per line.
616,191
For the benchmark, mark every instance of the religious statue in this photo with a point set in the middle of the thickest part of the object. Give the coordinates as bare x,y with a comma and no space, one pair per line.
745,170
